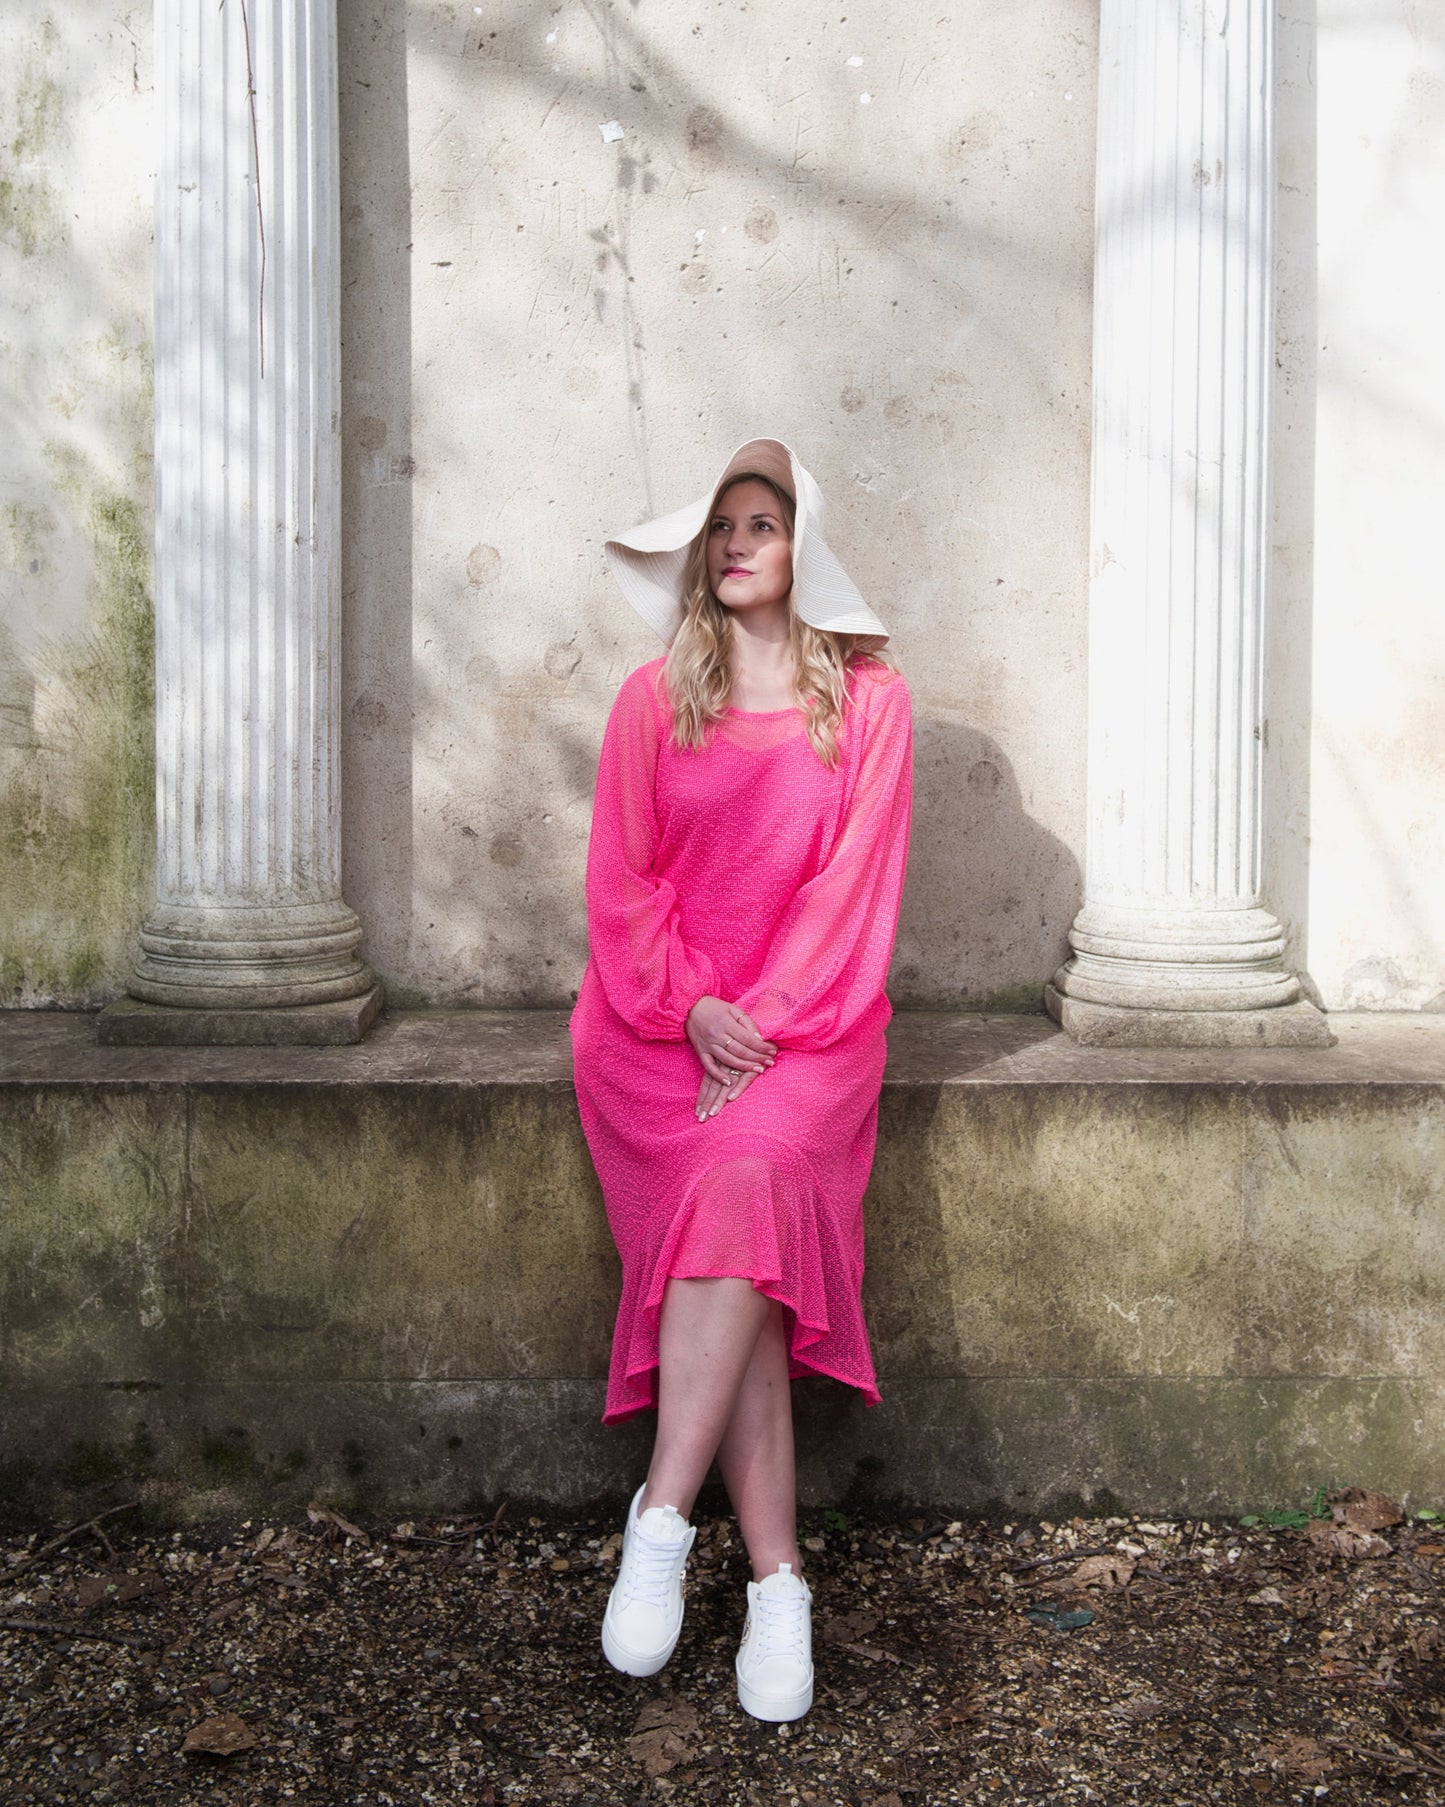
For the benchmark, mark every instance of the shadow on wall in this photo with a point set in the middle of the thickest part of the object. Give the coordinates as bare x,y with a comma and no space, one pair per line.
377,471
1290,631
487,870
507,725
1012,887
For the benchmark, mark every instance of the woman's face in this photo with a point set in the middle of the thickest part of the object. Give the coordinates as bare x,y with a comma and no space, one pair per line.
749,549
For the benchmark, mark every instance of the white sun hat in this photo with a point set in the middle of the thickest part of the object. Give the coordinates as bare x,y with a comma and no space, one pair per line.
648,561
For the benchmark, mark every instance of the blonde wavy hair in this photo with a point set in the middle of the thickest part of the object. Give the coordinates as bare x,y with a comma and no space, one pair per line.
698,674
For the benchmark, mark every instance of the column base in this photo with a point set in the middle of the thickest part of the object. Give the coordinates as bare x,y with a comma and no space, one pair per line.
1298,1025
249,957
128,1023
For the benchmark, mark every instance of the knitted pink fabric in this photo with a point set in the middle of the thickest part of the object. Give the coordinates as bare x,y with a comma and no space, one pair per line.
750,872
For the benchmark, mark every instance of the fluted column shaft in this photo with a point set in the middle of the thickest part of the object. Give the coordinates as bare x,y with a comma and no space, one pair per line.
1183,360
248,883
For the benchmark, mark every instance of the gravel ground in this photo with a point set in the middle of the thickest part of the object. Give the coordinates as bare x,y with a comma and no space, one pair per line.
458,1663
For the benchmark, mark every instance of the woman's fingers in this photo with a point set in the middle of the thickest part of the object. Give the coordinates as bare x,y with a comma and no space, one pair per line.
746,1034
710,1097
716,1070
739,1086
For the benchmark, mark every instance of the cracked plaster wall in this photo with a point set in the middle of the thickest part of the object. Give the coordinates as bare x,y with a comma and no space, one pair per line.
1377,806
547,333
76,788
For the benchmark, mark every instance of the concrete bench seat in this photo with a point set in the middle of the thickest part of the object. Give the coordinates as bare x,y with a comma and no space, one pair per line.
1184,1280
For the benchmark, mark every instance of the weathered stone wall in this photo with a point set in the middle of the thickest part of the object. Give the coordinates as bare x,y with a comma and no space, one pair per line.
76,790
870,234
1377,745
1191,1281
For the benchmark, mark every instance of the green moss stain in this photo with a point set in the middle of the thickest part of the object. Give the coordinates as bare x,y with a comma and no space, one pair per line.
39,102
228,1457
90,1463
32,118
77,780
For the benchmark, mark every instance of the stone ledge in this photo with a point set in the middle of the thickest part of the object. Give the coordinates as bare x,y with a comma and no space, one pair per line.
530,1047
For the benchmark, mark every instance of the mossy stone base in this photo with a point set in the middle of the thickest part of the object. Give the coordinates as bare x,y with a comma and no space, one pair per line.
129,1023
1298,1025
1179,1279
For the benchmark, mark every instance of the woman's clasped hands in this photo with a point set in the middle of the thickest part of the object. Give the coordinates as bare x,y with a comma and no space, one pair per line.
732,1052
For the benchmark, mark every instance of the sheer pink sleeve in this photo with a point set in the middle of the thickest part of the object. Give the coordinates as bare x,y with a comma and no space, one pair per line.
651,978
829,959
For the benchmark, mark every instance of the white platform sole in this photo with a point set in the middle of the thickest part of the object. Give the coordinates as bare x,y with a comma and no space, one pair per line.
630,1662
774,1707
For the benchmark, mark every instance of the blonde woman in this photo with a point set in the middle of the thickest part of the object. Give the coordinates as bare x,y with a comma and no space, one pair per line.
748,848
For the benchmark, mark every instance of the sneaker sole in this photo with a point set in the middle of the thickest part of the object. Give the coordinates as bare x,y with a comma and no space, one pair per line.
630,1662
775,1707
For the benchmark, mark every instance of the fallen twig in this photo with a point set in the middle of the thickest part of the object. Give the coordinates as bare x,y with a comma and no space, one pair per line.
324,1515
57,1543
1093,1549
47,1628
1416,1761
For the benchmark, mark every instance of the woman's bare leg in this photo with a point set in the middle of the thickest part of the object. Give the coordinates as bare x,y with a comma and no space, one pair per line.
707,1337
756,1454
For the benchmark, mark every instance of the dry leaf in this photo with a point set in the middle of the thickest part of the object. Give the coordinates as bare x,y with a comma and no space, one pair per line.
224,1736
91,1590
323,1515
1103,1571
659,1740
848,1627
1299,1757
1137,1707
1340,1540
1363,1509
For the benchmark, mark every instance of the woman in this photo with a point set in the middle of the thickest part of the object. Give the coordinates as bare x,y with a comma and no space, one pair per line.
747,855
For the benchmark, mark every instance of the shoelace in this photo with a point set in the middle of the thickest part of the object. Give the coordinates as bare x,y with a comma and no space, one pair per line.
780,1624
649,1572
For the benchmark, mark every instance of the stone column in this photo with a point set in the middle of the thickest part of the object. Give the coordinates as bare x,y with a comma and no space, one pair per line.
1173,944
249,939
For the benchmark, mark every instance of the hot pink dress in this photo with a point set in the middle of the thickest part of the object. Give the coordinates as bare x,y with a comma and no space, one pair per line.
746,871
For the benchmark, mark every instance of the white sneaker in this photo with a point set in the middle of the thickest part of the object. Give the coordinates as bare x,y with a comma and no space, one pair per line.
643,1620
775,1658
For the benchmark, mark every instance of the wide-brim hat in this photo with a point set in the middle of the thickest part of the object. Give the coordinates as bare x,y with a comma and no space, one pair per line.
648,561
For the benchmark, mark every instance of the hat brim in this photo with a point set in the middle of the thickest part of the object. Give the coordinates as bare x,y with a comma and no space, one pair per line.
648,560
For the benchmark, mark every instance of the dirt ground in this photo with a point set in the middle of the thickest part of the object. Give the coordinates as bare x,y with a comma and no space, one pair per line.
457,1663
